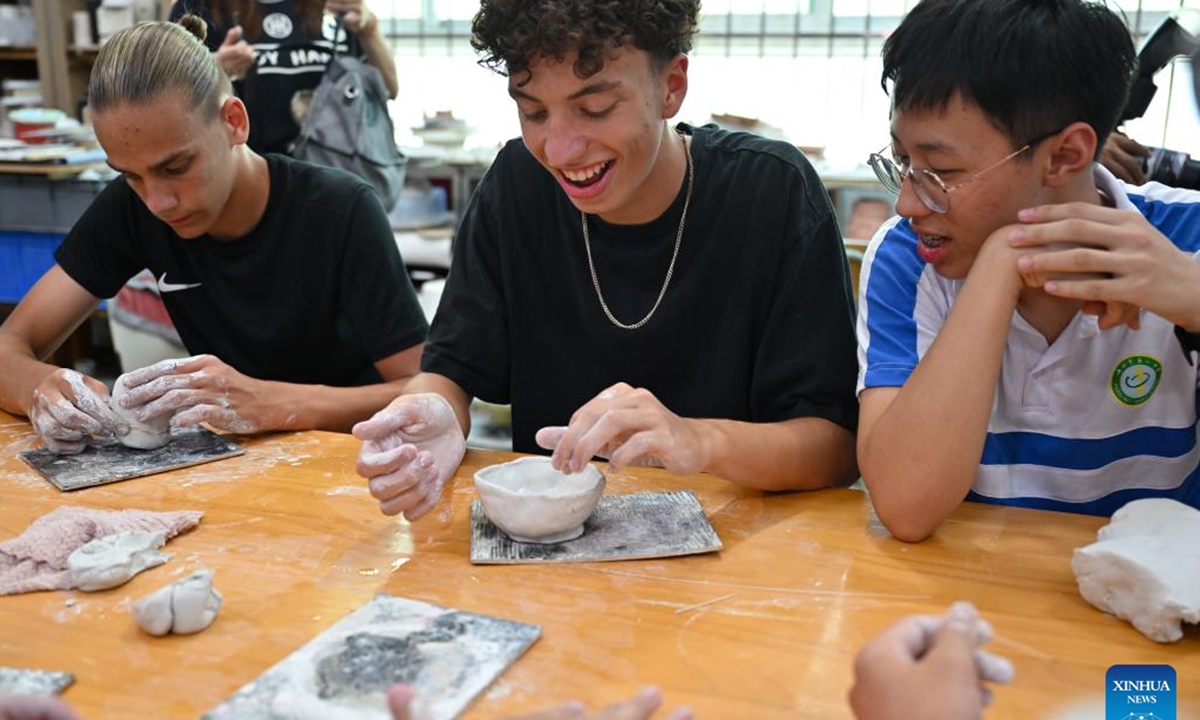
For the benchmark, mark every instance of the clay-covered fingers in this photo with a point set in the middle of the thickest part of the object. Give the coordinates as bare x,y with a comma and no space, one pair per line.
217,416
410,449
180,397
91,396
162,368
376,459
59,438
151,394
423,416
413,487
398,418
68,408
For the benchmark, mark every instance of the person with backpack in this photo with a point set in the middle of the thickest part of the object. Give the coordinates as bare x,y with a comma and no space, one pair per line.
277,52
282,277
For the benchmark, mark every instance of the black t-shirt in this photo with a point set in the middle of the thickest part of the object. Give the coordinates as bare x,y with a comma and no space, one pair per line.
291,62
757,324
315,293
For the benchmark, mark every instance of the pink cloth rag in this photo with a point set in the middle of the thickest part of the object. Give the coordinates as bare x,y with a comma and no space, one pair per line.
37,560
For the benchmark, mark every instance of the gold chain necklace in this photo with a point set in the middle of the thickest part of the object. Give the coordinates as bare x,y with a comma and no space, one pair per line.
587,245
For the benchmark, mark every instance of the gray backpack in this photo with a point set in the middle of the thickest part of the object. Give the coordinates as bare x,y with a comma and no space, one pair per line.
348,127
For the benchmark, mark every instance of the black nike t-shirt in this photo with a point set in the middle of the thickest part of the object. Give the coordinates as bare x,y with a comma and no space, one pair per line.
757,323
316,293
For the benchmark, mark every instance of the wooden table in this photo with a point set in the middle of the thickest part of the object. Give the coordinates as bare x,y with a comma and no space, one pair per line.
765,629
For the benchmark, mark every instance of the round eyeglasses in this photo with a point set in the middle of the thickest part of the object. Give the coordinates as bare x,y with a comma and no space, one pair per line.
931,189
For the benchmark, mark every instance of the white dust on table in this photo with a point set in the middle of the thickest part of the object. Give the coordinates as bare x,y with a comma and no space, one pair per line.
284,450
14,469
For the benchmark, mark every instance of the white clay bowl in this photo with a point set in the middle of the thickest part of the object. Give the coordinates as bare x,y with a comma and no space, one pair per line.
534,503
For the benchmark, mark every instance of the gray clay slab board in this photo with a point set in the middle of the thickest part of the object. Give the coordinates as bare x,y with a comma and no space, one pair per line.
108,461
448,656
24,681
622,527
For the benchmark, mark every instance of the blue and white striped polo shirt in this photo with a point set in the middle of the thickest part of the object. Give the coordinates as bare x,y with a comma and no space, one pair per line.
1086,424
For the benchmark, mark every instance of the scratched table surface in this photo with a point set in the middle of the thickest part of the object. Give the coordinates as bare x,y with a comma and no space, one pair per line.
766,628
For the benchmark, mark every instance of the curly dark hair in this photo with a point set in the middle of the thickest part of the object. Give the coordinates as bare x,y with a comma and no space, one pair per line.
514,33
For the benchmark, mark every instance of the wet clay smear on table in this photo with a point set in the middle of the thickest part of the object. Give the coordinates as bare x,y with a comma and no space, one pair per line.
24,681
108,461
448,656
622,527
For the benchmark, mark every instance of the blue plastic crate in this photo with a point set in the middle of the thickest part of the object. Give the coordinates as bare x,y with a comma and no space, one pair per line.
24,257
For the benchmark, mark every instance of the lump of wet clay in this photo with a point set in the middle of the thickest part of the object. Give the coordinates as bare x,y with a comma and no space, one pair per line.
113,560
185,607
149,435
1144,567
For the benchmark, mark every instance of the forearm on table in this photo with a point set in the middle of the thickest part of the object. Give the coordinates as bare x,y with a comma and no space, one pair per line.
798,454
919,456
23,372
292,406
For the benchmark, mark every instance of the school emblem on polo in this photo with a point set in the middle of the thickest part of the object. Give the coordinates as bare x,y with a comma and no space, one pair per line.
1135,379
1140,692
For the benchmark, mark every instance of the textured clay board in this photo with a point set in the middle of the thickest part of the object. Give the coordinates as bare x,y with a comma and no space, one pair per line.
622,527
108,461
448,656
25,681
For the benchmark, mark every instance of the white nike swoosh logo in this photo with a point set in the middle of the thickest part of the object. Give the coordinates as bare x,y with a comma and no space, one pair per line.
164,286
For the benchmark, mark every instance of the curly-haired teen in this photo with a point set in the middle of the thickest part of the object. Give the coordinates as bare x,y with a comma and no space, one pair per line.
282,277
669,295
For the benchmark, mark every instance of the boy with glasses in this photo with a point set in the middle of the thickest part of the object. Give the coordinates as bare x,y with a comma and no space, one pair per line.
1025,324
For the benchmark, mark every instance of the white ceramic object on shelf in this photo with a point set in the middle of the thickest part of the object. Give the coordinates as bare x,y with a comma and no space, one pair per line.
532,502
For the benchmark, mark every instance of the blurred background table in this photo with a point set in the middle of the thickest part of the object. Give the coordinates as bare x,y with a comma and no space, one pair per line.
765,629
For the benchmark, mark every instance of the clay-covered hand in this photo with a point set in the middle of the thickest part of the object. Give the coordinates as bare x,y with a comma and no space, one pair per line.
640,707
1123,156
235,56
410,449
28,707
1119,258
629,426
69,408
928,667
357,17
202,389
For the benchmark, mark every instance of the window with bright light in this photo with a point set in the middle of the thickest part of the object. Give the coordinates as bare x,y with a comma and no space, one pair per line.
806,68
